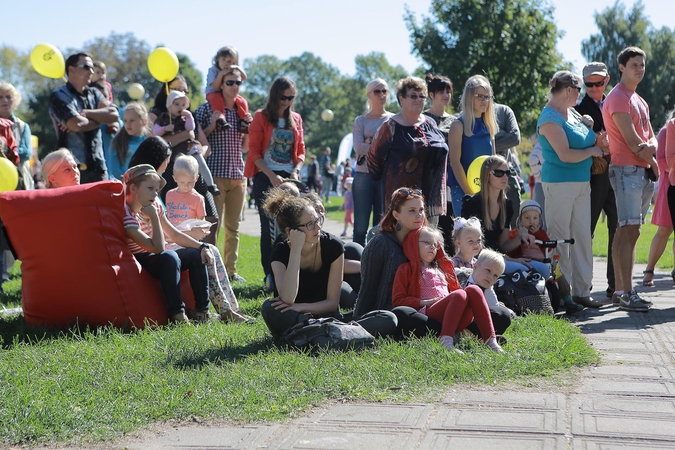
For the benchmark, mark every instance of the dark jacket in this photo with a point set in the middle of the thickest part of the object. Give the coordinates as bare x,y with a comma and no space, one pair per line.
588,106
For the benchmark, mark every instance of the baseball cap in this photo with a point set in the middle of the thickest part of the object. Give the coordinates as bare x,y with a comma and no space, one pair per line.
595,68
140,170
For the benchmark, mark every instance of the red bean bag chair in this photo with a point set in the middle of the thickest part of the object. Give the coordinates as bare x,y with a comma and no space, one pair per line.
76,266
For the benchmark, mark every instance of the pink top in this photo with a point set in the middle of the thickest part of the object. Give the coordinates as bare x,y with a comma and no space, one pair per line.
181,207
669,149
623,100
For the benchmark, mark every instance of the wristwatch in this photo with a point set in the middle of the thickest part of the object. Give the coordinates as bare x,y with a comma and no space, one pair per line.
203,246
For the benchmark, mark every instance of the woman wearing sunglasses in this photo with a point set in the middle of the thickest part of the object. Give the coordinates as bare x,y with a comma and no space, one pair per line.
367,193
568,144
495,212
381,259
276,153
409,150
308,269
471,135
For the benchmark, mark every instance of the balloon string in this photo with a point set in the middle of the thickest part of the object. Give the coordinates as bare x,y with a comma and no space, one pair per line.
64,78
166,84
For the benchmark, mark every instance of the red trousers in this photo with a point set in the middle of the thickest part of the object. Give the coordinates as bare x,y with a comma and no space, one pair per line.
457,310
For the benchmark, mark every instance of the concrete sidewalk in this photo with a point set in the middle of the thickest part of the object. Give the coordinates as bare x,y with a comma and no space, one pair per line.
627,401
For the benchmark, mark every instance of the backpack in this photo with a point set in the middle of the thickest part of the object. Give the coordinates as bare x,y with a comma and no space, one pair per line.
523,291
328,333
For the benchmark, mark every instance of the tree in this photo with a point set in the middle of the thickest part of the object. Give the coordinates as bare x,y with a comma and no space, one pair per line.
512,42
620,29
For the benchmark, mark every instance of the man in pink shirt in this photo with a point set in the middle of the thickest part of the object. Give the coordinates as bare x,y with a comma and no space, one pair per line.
632,146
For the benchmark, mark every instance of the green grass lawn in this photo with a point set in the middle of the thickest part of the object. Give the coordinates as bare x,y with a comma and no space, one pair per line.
80,386
642,248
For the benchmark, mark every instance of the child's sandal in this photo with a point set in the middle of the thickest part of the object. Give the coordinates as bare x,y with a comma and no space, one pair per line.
648,282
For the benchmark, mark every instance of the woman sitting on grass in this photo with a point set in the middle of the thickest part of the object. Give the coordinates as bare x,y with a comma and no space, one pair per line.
308,269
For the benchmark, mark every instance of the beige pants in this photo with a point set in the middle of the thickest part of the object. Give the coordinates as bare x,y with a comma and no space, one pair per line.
568,215
228,205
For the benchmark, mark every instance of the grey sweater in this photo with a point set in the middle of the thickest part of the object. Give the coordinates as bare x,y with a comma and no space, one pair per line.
379,263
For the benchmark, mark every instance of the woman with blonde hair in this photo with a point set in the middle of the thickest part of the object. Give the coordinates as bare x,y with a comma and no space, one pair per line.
471,135
10,98
367,193
59,169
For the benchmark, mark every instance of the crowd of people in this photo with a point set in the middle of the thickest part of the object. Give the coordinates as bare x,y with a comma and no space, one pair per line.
185,176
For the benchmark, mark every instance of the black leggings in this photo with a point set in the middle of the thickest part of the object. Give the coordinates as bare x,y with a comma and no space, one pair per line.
352,281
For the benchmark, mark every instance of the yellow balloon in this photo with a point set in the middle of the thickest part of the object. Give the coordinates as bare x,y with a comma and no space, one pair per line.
48,61
9,175
163,64
473,174
136,91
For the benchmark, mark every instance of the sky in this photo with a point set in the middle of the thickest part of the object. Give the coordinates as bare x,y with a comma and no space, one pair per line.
335,31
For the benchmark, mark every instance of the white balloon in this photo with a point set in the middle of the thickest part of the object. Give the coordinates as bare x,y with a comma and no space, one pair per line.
136,91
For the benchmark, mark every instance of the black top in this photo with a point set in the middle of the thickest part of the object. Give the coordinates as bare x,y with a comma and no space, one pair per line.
472,206
312,286
588,106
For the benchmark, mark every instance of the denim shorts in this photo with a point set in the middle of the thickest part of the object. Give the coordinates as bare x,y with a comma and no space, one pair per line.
633,192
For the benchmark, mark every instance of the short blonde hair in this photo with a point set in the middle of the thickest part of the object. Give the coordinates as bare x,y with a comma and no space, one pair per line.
491,256
16,95
187,164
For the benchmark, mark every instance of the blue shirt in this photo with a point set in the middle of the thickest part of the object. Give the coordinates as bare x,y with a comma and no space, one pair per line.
115,167
579,136
22,134
472,147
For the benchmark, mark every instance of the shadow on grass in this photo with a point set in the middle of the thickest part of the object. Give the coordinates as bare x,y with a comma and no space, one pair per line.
250,290
227,354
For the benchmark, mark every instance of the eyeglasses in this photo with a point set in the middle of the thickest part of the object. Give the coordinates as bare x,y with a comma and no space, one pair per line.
429,244
407,192
233,82
590,84
484,98
380,91
313,224
86,66
414,97
283,98
186,92
499,172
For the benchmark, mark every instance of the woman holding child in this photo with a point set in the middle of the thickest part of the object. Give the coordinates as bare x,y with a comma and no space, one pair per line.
308,269
384,254
568,144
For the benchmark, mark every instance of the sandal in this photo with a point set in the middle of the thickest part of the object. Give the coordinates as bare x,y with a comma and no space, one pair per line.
645,281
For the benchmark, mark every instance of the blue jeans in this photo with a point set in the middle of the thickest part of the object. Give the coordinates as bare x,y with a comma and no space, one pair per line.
543,268
168,265
457,194
367,197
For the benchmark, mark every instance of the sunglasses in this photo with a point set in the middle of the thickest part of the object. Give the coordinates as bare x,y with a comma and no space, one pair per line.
283,98
484,98
590,84
429,244
414,97
313,224
499,172
88,67
186,92
407,192
233,82
380,91
575,87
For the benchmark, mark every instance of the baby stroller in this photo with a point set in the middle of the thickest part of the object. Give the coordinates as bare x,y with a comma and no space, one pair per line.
557,286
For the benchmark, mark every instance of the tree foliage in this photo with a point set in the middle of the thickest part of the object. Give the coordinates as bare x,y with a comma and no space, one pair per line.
620,28
512,42
320,86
